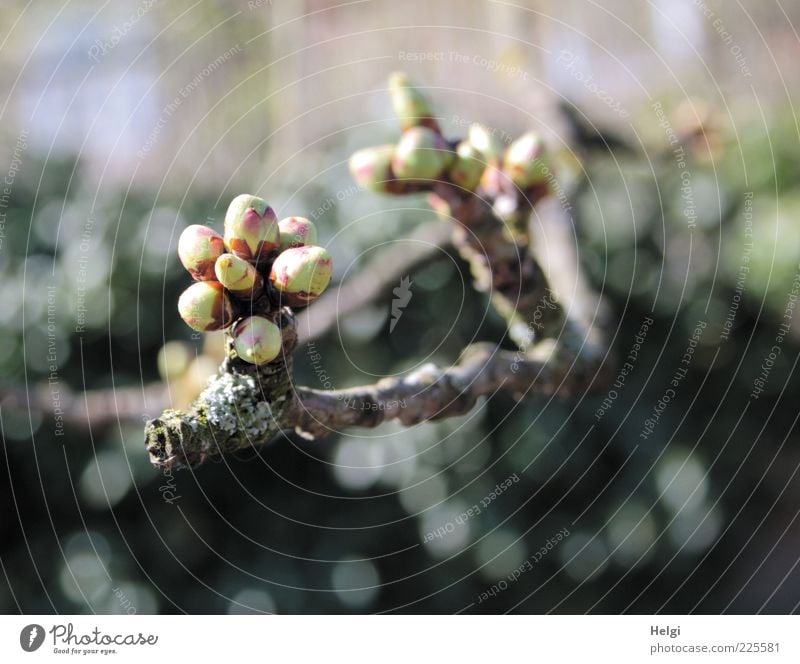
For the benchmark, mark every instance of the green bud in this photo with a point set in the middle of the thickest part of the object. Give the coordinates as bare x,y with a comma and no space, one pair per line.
251,228
238,276
372,167
204,307
301,274
421,154
256,339
410,105
467,167
524,161
198,248
297,232
485,142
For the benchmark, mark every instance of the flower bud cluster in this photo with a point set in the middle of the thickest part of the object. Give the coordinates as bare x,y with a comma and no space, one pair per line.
423,155
258,265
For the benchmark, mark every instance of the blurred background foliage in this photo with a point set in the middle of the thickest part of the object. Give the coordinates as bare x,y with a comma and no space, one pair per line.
122,123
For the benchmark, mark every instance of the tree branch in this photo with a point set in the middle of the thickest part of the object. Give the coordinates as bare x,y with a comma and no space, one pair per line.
258,407
500,260
106,406
372,280
96,408
433,393
261,401
248,405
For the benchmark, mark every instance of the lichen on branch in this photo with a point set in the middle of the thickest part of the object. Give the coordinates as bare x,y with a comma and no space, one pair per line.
243,406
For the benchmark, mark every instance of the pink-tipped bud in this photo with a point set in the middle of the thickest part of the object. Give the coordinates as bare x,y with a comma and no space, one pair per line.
421,154
251,229
205,307
198,248
238,276
524,162
468,166
297,232
301,274
486,142
372,167
256,339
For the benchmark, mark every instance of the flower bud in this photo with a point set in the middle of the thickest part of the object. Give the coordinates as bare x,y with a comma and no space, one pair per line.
467,167
198,248
524,162
204,306
297,232
421,154
371,167
256,339
251,228
238,276
409,104
485,142
301,274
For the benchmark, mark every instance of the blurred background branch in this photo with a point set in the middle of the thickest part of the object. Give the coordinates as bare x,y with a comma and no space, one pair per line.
374,280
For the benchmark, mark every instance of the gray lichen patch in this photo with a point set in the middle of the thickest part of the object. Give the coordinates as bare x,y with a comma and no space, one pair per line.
234,404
